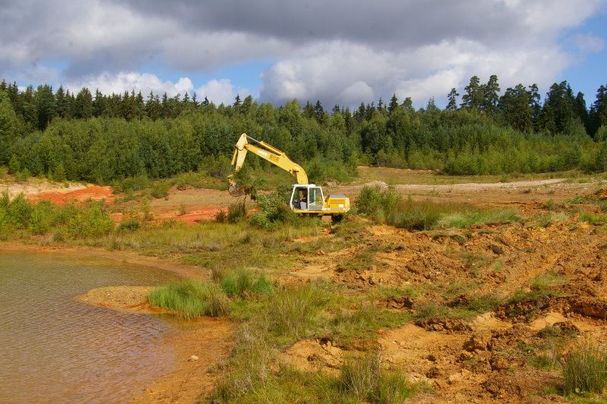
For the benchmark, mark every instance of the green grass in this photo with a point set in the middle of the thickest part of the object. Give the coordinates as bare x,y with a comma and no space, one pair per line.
190,299
293,313
243,283
362,322
363,379
547,281
388,206
593,218
360,380
585,370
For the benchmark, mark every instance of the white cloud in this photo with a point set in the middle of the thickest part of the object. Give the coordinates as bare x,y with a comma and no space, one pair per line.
350,73
109,83
221,92
335,51
217,91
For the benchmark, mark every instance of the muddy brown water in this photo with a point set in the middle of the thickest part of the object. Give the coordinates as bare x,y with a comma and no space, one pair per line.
54,348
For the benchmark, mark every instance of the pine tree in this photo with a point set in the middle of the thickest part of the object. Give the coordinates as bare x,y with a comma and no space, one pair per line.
83,105
308,110
319,112
393,105
515,106
45,106
474,94
490,95
9,127
452,98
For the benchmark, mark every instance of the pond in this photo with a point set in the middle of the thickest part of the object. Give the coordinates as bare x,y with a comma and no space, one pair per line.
54,348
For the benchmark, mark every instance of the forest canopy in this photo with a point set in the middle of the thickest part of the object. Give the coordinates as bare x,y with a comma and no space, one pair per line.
101,138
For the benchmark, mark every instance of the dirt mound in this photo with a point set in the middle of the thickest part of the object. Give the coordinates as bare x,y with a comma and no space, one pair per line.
313,355
132,299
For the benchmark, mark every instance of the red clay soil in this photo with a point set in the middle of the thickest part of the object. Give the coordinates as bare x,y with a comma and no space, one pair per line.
93,192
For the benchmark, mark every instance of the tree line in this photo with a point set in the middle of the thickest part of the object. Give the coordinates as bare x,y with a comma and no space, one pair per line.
100,138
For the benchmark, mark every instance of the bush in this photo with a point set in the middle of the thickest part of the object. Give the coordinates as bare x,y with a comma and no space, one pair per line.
273,209
90,222
191,299
242,283
585,370
132,184
378,202
236,212
129,225
386,205
221,216
160,189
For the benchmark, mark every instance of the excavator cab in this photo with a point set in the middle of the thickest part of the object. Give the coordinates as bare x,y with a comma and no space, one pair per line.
307,197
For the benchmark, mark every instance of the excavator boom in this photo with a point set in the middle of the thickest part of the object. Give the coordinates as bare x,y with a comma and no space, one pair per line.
267,152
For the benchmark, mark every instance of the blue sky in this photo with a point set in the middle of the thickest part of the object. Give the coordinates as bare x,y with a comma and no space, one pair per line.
341,51
590,70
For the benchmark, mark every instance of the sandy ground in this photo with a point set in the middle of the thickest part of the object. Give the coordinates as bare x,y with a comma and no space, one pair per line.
38,186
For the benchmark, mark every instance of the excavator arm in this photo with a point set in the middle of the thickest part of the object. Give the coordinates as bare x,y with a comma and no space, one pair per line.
267,152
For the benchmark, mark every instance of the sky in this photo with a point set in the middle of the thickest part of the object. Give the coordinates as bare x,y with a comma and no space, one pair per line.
339,52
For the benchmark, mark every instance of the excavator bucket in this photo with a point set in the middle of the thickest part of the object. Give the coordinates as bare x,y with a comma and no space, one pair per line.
236,190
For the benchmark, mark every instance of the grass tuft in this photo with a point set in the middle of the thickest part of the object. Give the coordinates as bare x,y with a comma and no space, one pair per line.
190,299
242,283
291,313
585,370
363,379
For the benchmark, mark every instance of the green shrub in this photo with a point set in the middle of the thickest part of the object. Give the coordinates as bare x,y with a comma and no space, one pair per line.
386,205
90,222
43,217
221,216
18,211
377,202
237,212
132,184
585,370
241,283
273,208
160,189
129,225
593,218
191,299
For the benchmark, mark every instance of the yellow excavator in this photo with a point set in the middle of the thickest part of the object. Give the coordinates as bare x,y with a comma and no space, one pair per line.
306,198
